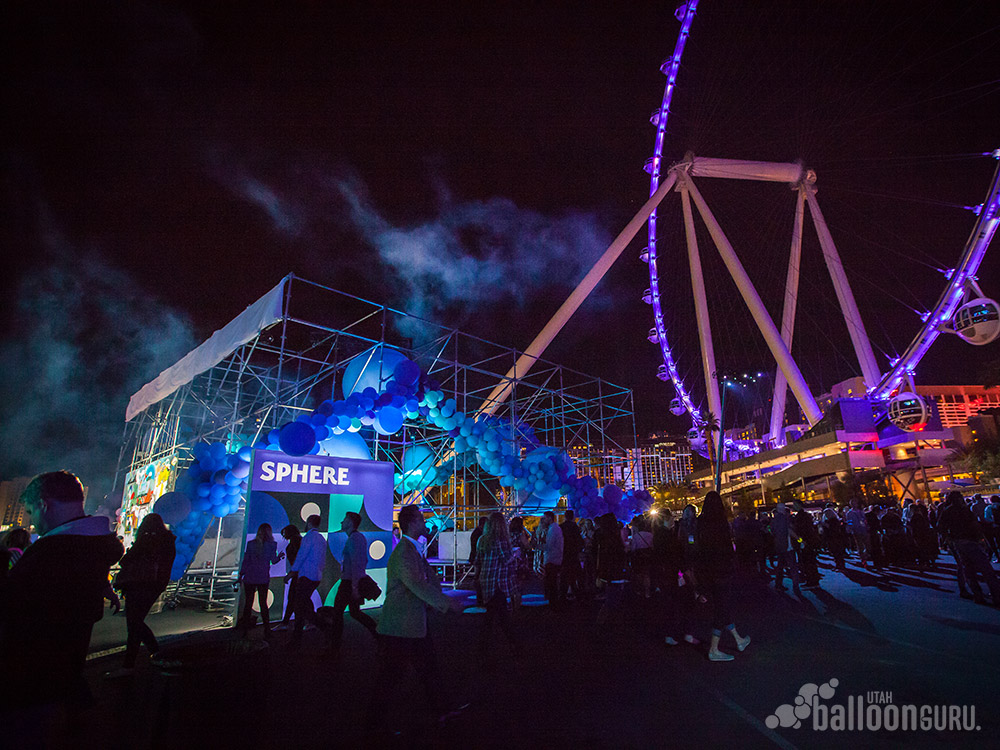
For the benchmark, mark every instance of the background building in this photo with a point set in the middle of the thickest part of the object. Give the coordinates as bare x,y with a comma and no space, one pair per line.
12,512
660,460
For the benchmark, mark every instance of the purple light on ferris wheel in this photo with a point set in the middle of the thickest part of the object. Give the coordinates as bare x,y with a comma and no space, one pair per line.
670,67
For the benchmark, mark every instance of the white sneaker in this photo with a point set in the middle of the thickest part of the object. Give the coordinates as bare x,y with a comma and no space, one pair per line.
742,643
691,639
720,656
670,641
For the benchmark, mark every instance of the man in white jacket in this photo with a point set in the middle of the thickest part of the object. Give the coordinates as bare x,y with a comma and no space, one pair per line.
552,558
309,564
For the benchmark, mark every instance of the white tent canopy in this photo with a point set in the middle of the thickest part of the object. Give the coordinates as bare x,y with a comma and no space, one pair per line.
241,329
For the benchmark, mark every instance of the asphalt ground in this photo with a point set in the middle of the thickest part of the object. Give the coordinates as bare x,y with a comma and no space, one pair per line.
901,635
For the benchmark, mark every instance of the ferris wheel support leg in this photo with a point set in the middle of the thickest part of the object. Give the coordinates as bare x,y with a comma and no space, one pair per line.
760,315
849,308
776,435
701,308
535,349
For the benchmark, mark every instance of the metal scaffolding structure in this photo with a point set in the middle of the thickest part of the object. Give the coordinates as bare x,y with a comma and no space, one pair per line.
290,366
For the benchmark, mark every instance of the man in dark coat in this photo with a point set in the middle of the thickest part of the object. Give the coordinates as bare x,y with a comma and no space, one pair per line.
572,547
52,598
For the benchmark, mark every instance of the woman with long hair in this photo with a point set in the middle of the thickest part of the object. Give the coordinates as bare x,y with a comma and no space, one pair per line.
494,556
145,572
520,542
714,564
294,537
255,573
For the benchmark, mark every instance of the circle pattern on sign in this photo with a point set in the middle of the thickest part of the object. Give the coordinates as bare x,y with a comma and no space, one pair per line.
309,509
255,604
376,550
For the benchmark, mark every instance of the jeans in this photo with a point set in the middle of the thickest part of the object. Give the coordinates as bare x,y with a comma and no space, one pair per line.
303,606
496,611
785,560
976,564
250,590
553,590
345,600
139,598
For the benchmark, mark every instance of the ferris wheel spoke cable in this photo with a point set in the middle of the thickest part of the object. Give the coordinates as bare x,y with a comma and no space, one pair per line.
935,264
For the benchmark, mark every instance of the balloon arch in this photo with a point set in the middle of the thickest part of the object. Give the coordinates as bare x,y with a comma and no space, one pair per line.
386,406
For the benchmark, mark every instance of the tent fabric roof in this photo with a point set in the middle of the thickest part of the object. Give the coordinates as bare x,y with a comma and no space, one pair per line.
241,329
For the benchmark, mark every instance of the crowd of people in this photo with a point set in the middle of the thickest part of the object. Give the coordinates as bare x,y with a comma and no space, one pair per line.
52,590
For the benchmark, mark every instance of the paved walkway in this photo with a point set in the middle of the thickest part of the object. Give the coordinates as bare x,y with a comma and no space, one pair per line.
901,633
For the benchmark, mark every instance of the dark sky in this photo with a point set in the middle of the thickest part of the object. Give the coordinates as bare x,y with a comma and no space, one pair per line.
166,163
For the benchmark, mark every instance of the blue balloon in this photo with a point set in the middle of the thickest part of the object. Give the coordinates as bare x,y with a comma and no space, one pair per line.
406,373
388,420
218,451
173,507
245,453
612,494
297,438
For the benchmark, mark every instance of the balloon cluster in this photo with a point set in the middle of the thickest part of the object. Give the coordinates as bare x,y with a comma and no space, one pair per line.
214,483
589,502
384,389
404,393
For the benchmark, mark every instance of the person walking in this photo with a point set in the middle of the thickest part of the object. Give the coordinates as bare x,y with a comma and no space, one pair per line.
611,564
714,567
806,541
639,552
958,522
495,556
473,547
255,574
353,569
678,598
49,603
308,567
293,536
411,587
570,573
784,552
834,536
144,574
923,536
552,559
991,526
857,527
517,573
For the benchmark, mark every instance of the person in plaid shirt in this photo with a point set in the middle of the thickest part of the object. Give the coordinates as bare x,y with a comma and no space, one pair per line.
495,559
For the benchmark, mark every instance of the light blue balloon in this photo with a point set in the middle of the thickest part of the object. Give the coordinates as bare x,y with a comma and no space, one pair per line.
346,445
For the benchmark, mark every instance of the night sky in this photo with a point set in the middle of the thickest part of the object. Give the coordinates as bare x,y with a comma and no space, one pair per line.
167,163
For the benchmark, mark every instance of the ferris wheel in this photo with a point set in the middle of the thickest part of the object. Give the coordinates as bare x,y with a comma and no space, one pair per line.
961,309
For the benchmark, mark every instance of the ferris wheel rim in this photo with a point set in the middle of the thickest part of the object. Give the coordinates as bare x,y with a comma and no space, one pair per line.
685,13
950,299
902,368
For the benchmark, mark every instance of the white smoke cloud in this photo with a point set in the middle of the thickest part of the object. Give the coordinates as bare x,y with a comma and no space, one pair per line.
85,338
477,252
